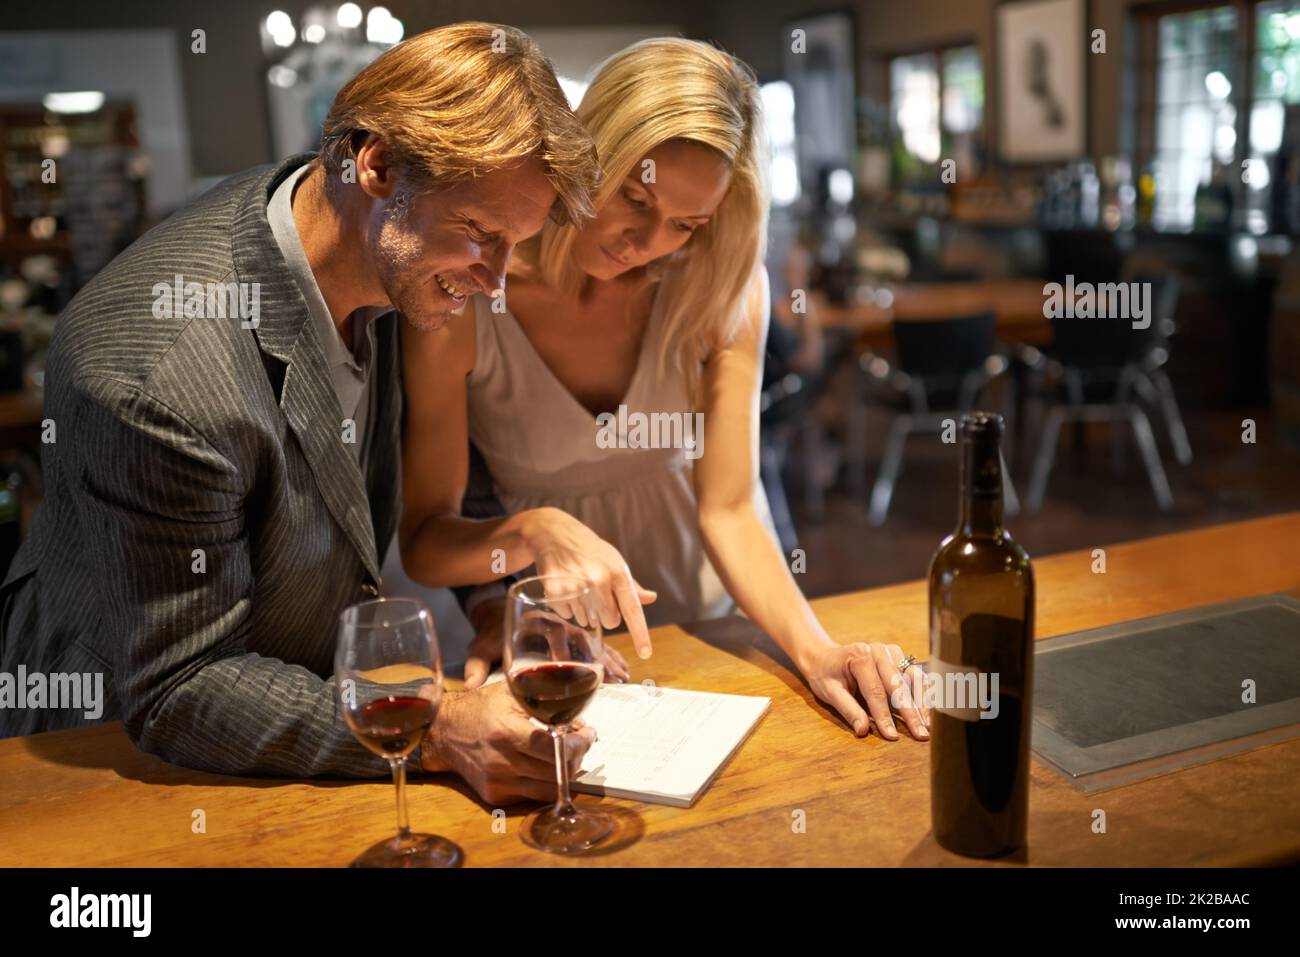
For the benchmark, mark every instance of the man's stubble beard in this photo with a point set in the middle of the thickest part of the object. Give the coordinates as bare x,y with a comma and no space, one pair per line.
397,251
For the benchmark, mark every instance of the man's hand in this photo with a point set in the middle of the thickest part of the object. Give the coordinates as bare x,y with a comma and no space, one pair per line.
489,633
486,738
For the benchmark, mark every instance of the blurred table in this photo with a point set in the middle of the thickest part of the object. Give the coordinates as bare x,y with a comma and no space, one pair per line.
1016,303
88,797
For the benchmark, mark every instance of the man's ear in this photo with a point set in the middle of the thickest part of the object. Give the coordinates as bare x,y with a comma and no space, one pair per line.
376,173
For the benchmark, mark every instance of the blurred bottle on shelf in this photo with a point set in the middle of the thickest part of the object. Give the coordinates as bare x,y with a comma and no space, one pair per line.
1146,196
1119,198
1087,193
1212,207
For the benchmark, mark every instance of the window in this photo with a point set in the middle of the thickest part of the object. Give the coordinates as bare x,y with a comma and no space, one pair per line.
1219,84
1276,76
936,106
1195,114
963,90
914,104
778,113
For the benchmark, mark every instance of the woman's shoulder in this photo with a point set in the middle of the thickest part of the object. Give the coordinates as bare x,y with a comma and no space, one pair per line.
527,299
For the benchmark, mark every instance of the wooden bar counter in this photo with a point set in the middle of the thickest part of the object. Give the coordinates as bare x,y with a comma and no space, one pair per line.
87,797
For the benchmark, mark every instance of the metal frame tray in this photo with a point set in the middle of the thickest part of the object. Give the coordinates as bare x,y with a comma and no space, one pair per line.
1156,708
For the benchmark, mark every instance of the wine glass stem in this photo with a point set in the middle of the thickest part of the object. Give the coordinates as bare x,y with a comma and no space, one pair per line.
563,805
399,779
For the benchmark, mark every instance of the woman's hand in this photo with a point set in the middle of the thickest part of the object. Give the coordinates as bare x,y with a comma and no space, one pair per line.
840,674
562,545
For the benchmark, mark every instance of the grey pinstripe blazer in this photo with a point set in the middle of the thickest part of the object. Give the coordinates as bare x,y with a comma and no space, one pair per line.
180,434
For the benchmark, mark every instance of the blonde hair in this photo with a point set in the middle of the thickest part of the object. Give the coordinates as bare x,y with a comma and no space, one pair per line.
645,95
461,101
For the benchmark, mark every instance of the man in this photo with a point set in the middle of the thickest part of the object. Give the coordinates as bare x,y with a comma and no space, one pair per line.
222,482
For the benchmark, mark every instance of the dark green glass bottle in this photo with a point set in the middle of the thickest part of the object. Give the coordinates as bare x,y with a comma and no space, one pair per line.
981,663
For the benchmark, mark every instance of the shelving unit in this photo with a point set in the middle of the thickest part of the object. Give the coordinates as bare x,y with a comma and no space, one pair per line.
95,205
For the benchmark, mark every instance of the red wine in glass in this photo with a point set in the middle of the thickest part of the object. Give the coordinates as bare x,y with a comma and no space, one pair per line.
555,692
388,672
393,727
553,657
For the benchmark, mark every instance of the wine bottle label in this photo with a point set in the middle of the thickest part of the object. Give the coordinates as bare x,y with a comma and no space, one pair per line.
961,691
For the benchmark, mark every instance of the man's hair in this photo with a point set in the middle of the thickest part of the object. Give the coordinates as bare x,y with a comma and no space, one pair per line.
461,101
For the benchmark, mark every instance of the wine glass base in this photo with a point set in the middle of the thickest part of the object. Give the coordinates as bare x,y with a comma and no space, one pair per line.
546,830
414,850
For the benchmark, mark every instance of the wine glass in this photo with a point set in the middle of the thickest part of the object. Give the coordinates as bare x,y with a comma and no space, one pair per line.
389,677
554,661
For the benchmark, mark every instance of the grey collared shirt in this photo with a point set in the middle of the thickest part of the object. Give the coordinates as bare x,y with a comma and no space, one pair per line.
351,364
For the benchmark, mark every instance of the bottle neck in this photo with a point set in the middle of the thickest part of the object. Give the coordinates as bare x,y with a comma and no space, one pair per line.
981,488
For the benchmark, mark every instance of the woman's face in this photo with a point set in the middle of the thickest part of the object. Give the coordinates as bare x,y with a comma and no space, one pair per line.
644,221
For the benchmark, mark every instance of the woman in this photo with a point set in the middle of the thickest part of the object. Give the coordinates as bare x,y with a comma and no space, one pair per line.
657,307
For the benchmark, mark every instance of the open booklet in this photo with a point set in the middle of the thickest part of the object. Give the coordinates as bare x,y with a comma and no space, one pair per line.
662,745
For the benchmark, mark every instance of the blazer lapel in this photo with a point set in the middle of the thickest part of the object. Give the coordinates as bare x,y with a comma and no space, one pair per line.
385,480
307,399
312,411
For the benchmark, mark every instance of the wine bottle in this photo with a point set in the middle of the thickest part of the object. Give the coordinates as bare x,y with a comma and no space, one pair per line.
980,673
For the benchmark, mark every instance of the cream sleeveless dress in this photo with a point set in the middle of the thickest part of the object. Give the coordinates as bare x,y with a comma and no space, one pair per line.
541,446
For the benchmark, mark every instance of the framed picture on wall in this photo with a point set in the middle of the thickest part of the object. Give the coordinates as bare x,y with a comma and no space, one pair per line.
1042,80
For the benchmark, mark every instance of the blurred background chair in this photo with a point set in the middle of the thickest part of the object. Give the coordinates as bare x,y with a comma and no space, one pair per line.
1091,373
942,367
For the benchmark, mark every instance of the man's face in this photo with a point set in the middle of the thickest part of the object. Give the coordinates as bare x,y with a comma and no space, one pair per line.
433,250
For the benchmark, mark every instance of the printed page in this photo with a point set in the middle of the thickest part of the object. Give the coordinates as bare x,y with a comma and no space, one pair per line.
662,745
